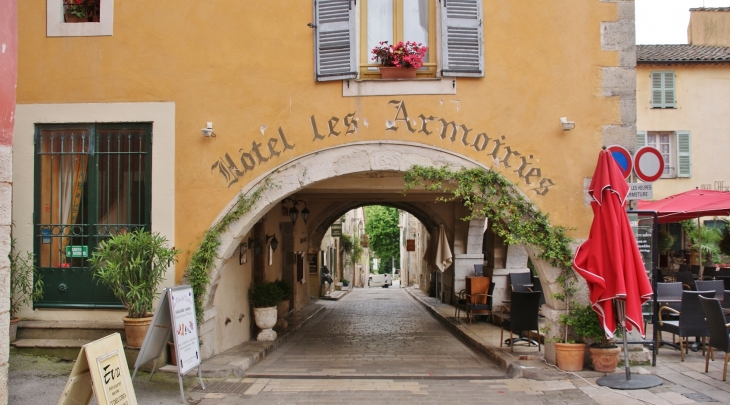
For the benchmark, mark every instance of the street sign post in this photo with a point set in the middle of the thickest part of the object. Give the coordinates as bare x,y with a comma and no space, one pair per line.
640,191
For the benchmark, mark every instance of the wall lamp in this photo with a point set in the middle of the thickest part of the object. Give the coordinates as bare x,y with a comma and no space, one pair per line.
567,125
293,212
254,244
208,130
274,243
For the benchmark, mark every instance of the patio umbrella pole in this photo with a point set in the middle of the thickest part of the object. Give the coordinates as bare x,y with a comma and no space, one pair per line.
619,382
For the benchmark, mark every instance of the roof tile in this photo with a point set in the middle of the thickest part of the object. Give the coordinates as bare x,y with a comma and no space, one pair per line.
681,53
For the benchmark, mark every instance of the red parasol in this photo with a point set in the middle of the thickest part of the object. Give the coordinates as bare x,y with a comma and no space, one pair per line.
610,260
689,205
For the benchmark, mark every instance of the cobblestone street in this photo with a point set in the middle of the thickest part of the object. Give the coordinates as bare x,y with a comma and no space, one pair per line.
380,346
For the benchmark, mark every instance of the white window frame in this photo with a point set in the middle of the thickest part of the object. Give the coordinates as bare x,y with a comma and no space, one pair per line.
56,27
672,161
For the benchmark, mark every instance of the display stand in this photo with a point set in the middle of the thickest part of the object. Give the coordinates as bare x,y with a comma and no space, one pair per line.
175,312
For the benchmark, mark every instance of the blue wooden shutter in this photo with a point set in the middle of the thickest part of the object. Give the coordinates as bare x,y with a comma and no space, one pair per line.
684,156
640,139
462,38
334,40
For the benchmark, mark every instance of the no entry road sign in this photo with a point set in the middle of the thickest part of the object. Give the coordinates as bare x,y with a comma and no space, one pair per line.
648,163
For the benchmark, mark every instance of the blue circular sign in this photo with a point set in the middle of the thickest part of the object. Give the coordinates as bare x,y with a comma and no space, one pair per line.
623,158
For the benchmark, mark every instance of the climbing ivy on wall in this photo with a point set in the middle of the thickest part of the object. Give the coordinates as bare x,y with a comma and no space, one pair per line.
514,218
201,262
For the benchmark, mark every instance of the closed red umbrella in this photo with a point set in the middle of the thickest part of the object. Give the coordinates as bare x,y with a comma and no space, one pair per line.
610,260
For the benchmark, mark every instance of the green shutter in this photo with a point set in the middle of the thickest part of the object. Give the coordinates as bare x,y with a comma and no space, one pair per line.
684,156
669,98
640,139
656,90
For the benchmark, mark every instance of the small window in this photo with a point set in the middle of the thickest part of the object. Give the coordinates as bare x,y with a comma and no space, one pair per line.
663,93
79,18
675,149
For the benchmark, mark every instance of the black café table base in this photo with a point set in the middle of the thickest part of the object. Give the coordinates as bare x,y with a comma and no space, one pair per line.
636,381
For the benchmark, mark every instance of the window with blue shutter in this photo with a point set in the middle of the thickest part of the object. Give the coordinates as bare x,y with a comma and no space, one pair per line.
663,92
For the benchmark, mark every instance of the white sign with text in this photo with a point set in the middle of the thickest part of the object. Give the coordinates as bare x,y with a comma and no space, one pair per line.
640,191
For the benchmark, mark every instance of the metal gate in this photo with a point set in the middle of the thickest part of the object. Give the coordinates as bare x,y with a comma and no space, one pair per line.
92,181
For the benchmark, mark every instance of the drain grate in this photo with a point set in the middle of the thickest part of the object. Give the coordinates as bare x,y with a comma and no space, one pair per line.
222,387
699,397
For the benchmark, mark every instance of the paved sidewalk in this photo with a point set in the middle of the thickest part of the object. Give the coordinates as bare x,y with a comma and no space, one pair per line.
685,382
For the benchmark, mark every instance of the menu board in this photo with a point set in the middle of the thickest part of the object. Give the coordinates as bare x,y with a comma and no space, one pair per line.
182,307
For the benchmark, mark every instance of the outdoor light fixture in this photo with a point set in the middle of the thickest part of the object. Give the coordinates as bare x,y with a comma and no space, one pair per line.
208,130
242,253
254,244
567,125
293,211
274,243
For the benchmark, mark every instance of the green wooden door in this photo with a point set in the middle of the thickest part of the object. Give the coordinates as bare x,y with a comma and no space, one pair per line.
92,181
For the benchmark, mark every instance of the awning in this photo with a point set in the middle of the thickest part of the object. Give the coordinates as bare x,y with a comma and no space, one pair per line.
689,205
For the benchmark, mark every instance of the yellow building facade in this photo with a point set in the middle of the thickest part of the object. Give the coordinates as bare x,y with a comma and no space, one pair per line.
288,94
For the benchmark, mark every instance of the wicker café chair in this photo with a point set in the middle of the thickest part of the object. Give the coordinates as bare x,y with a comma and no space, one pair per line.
518,280
522,317
718,286
708,273
686,279
718,328
691,321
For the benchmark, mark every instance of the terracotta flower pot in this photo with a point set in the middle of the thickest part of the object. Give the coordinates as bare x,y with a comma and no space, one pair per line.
14,328
393,72
570,356
135,329
605,359
70,18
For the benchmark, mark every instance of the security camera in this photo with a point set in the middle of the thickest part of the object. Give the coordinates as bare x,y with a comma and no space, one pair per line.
567,125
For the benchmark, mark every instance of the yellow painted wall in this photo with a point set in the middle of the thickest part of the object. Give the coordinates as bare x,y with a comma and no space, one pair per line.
710,28
246,65
703,108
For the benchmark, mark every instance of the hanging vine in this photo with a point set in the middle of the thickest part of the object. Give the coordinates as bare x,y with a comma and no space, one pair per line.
201,262
515,219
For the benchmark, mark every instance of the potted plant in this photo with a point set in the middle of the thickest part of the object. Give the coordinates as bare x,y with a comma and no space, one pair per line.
400,61
345,282
132,265
569,348
26,285
75,11
265,297
282,308
604,353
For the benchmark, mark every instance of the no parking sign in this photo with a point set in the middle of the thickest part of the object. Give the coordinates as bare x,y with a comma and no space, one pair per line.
622,156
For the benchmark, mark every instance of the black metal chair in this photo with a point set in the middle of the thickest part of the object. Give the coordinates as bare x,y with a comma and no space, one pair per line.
669,292
684,267
479,270
718,329
473,303
520,282
708,273
722,272
686,279
695,270
718,286
691,321
537,286
522,317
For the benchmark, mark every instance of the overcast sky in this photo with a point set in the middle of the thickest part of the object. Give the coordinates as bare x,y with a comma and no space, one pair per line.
665,21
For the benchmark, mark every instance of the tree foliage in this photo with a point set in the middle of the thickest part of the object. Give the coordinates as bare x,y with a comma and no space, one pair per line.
382,227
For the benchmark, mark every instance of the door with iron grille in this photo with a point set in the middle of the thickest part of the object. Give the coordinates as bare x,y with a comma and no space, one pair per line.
92,181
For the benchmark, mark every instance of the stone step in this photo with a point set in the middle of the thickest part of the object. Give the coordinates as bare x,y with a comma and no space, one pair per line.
75,330
68,349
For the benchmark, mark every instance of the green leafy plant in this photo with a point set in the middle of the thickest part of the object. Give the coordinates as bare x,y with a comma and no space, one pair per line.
666,241
26,283
710,239
266,294
284,287
382,227
132,265
515,219
345,281
346,244
197,273
586,326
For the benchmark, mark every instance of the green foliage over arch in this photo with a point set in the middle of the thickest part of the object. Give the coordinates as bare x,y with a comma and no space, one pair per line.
382,227
514,218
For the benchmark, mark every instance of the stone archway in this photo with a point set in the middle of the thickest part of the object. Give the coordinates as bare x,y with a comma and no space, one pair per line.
307,170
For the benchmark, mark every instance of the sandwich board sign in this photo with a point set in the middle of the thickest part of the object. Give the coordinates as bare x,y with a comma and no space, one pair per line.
100,365
175,314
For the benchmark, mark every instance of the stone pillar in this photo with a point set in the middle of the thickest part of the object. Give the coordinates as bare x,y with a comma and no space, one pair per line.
8,75
463,267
